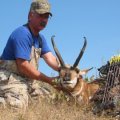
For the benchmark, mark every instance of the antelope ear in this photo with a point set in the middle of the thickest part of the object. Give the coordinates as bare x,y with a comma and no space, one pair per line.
83,72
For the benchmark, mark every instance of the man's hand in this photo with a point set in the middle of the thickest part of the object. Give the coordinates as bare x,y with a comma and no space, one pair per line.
56,82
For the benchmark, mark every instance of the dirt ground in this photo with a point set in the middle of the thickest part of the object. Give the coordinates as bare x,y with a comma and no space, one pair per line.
42,109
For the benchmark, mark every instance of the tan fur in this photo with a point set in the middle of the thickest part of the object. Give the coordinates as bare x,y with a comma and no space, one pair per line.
85,91
82,91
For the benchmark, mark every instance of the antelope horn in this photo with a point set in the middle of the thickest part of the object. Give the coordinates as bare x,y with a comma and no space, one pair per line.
80,54
57,52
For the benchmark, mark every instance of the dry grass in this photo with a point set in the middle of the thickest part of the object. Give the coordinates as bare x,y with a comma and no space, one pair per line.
43,109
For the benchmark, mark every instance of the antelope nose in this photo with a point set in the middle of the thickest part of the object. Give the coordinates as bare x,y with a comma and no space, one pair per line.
67,77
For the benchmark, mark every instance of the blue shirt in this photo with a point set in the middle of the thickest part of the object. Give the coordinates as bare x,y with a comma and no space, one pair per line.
20,43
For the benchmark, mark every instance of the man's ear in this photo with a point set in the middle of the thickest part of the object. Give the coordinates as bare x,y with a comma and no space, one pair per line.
30,15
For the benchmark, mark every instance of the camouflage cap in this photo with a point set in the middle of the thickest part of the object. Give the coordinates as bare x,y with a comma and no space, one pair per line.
40,6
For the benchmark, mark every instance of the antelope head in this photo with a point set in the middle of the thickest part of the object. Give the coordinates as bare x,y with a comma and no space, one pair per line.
70,74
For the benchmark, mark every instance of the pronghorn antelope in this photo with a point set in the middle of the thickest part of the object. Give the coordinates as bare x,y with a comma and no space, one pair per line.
71,78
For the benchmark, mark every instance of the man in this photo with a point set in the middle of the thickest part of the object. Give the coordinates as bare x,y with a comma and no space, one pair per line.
22,51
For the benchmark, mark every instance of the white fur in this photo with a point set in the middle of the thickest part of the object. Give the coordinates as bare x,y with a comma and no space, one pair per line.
70,83
78,92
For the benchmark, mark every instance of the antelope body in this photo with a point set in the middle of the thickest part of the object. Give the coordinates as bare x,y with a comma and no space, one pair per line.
72,80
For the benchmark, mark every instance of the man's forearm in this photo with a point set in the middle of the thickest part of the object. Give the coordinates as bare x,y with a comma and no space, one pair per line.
28,70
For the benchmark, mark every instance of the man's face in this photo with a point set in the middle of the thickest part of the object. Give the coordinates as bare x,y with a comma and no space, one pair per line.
38,21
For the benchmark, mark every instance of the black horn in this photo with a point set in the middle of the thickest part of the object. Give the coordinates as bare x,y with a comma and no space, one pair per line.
80,54
57,52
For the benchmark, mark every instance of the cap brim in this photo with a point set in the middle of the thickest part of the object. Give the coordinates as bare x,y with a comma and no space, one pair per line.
43,12
50,14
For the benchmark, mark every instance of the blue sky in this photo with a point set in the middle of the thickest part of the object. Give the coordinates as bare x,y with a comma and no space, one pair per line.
97,20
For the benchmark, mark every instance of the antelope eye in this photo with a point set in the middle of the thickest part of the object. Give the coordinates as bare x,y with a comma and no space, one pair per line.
77,70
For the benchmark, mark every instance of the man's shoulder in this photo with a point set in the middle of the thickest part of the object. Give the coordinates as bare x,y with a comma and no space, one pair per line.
42,37
20,35
20,31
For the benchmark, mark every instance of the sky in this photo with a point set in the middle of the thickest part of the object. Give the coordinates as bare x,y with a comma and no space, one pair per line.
97,20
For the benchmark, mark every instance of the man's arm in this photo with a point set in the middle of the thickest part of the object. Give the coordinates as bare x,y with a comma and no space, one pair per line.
51,60
28,70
